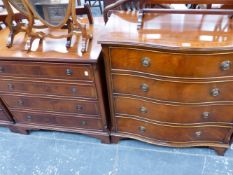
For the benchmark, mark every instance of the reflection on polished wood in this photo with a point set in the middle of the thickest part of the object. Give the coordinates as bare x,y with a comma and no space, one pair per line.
53,50
172,31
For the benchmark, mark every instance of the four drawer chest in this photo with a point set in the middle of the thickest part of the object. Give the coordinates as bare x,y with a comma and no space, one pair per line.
171,82
53,88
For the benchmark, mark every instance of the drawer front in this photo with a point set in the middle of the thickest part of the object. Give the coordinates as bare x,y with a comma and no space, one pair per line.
58,120
183,114
52,104
188,92
49,88
171,133
3,114
46,70
174,65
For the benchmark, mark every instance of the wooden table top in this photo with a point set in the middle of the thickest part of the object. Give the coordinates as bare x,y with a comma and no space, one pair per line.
53,49
171,31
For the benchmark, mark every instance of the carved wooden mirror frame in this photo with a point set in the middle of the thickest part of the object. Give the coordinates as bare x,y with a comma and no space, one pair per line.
70,23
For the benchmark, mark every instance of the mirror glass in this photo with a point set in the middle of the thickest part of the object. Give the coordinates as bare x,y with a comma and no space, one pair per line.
51,11
18,4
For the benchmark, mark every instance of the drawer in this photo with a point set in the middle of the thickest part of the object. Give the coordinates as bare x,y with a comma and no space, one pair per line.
176,91
52,104
46,70
49,88
168,113
58,120
171,133
172,65
4,116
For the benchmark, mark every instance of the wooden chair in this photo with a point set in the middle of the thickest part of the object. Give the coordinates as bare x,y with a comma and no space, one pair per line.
95,3
187,11
162,6
131,5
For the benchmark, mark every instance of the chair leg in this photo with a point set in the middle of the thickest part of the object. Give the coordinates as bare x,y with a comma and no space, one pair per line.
79,2
100,5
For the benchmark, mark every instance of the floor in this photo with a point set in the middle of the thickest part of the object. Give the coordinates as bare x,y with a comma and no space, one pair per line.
58,153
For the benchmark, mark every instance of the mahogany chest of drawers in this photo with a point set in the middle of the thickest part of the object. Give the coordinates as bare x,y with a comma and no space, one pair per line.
171,82
53,88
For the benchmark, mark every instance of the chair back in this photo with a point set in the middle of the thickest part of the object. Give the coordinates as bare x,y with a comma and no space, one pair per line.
137,5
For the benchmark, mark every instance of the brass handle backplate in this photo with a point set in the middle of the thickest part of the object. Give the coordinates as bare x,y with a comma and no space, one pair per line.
146,61
29,117
83,123
205,115
10,86
74,90
79,107
143,109
69,72
215,92
225,65
20,102
1,69
198,133
142,129
144,87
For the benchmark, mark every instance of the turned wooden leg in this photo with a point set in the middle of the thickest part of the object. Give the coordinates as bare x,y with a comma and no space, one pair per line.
10,39
29,43
89,13
219,151
115,139
84,44
19,130
70,28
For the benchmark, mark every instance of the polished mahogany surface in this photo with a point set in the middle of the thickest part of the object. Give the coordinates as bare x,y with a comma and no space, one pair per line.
170,82
171,31
53,49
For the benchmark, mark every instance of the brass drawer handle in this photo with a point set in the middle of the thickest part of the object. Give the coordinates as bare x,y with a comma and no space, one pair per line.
146,61
29,117
1,69
205,115
79,107
142,129
20,102
144,87
215,92
143,110
198,133
74,90
69,72
83,123
225,65
10,86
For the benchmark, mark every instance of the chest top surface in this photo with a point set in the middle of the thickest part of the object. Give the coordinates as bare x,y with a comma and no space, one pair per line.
52,49
171,31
